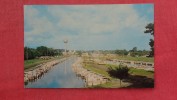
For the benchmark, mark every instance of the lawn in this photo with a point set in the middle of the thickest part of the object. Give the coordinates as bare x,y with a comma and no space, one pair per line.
134,71
114,83
30,64
141,72
145,59
95,69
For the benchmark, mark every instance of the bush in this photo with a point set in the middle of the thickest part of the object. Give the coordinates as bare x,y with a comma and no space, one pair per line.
120,72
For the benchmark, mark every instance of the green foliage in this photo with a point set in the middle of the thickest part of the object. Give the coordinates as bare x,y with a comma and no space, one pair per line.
31,53
30,64
120,72
135,52
134,49
151,43
96,69
43,51
150,29
121,52
141,72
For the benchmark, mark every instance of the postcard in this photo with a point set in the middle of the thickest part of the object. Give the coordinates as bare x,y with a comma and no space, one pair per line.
89,46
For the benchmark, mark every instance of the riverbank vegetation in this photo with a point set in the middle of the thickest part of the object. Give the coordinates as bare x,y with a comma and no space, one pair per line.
32,56
119,72
144,59
135,71
32,53
30,64
136,77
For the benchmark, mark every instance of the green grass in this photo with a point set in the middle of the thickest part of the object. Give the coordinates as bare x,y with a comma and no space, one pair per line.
134,71
141,72
114,83
96,70
145,59
30,64
32,61
106,85
110,65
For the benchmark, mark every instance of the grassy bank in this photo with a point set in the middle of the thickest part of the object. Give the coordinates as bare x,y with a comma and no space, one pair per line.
145,59
96,69
141,72
134,71
114,83
30,64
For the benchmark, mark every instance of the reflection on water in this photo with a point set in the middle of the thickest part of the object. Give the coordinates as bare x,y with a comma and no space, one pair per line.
60,76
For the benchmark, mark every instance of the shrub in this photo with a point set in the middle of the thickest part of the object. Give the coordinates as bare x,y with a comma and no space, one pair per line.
120,72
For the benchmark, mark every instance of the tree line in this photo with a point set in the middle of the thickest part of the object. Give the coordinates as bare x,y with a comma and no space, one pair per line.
31,53
133,52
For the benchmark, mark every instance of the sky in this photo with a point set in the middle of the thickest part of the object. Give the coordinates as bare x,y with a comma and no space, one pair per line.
88,27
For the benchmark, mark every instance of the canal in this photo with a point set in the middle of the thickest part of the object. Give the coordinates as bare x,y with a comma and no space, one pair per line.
60,76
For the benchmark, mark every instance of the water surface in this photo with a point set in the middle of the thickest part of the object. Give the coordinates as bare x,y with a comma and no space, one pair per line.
60,76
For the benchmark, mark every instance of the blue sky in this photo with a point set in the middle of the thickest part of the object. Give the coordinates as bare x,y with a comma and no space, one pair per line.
88,27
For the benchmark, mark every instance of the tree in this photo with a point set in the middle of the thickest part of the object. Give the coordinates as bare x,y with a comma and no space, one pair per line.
121,52
42,50
134,52
57,52
134,49
26,53
150,29
31,53
120,72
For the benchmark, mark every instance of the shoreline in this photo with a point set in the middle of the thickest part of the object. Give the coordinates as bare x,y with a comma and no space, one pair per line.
91,78
33,74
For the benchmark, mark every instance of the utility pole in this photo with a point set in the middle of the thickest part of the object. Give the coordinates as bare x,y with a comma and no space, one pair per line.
65,42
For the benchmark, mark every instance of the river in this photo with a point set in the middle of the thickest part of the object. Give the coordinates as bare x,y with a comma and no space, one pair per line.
60,76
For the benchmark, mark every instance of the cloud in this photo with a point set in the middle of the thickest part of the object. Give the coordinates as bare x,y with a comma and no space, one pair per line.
86,26
95,19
